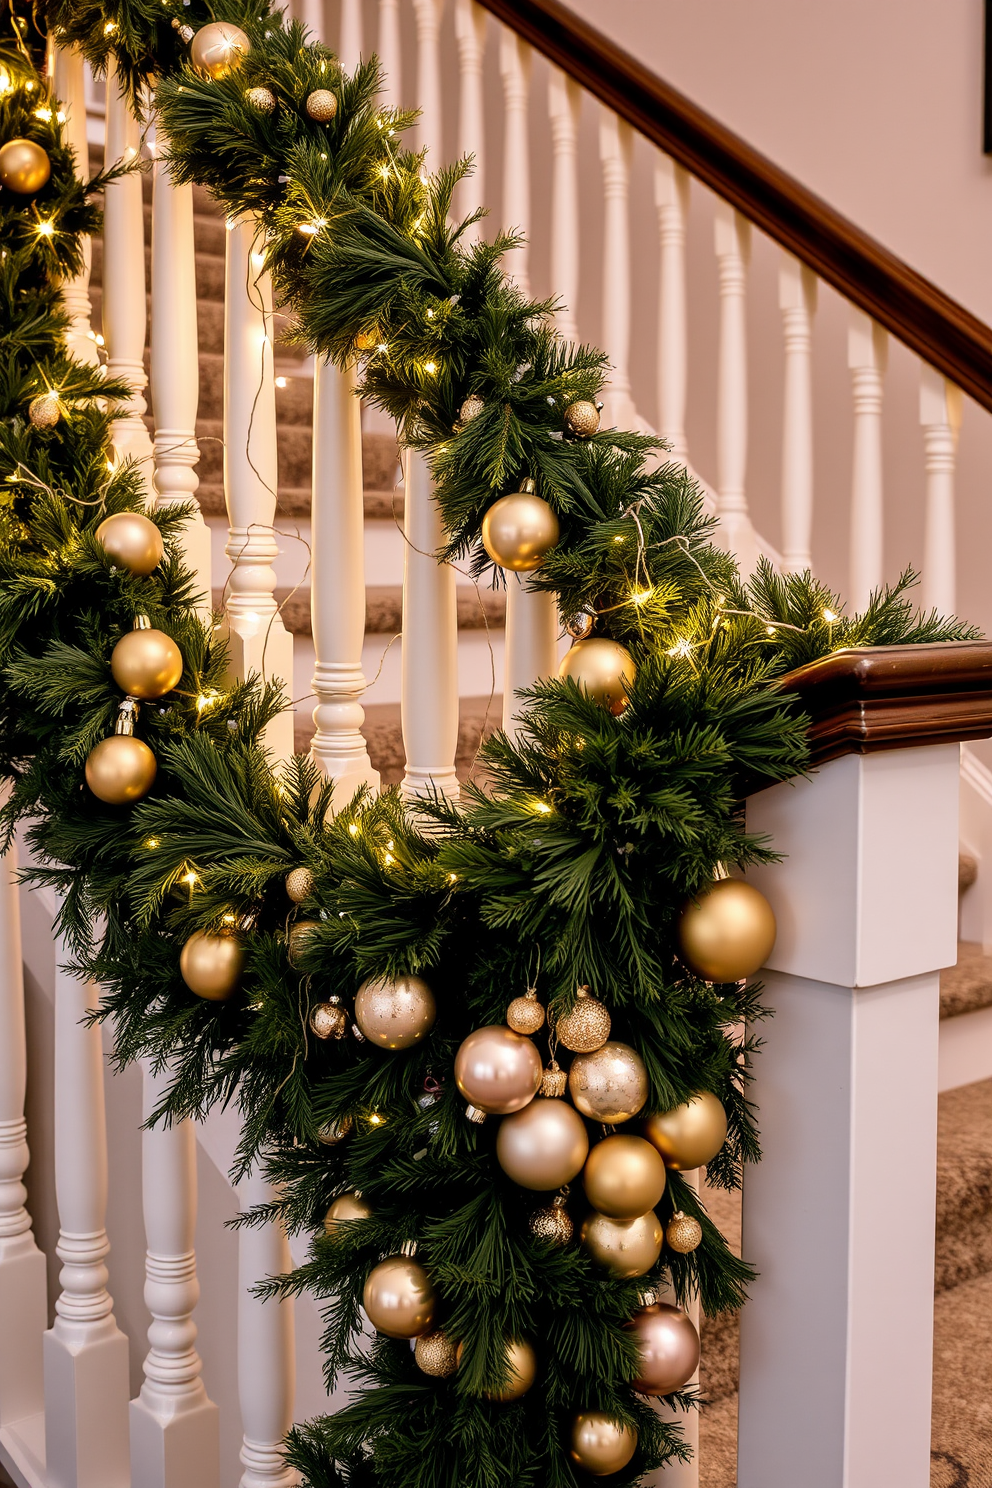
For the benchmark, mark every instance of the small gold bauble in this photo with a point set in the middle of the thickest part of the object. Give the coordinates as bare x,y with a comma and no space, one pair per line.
211,965
321,105
525,1014
471,407
395,1012
726,931
299,884
24,167
689,1136
132,541
609,1085
584,1027
627,1247
624,1177
582,418
186,33
668,1345
146,664
683,1233
602,669
553,1224
345,1208
333,1132
436,1355
399,1299
218,48
521,1364
519,530
43,410
262,99
554,1081
299,933
543,1146
328,1020
366,340
601,1445
120,770
497,1071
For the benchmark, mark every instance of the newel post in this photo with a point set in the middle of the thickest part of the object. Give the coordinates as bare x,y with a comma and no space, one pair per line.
836,1342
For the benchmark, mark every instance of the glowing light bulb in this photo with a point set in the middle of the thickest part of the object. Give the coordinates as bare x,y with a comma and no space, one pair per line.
151,843
830,617
430,368
353,829
641,596
543,807
45,229
282,382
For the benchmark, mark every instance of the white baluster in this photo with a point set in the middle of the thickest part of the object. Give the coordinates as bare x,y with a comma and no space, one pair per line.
429,685
671,198
266,1359
470,34
175,1436
616,143
258,639
514,67
531,644
867,354
940,416
797,301
390,52
85,1353
733,247
70,90
564,103
350,44
312,16
337,583
428,17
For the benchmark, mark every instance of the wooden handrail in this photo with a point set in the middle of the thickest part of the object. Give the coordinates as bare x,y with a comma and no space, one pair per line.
928,321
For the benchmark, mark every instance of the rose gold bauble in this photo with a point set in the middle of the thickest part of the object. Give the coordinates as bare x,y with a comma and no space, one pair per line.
132,541
333,1132
600,1444
345,1208
585,1027
582,418
525,1014
262,99
328,1020
395,1012
518,530
24,167
436,1355
521,1363
211,965
543,1146
218,48
146,664
321,105
44,411
683,1233
727,931
299,884
624,1177
609,1085
498,1071
668,1345
603,669
691,1135
553,1224
120,770
399,1299
627,1247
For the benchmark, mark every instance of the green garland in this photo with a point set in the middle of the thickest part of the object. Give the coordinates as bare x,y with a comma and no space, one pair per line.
577,857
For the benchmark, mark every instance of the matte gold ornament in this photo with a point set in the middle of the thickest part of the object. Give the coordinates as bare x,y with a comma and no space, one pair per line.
668,1345
553,1224
624,1177
727,931
24,167
43,410
519,530
497,1071
321,105
525,1014
683,1233
471,407
627,1247
299,933
121,769
586,1026
543,1146
602,669
436,1354
333,1132
395,1012
609,1085
146,663
218,48
132,541
689,1136
346,1208
600,1444
582,418
262,99
399,1299
299,884
521,1363
554,1081
328,1019
211,965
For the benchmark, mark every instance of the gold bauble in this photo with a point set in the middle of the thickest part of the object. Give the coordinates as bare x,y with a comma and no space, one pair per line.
683,1233
525,1014
211,965
345,1208
553,1224
601,1445
299,933
436,1355
262,99
395,1012
120,770
321,105
328,1020
132,541
602,669
582,418
691,1135
218,48
518,530
624,1177
726,931
333,1132
367,340
543,1146
299,884
554,1081
609,1085
399,1299
584,1027
627,1247
43,410
24,166
471,407
146,664
668,1345
498,1071
521,1364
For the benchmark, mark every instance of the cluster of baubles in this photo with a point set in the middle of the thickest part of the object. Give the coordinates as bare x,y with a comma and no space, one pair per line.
391,1012
24,167
219,48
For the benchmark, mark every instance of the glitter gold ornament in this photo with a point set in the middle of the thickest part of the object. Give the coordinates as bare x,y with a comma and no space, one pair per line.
624,1177
521,1364
609,1085
333,1132
471,407
600,1445
24,167
43,410
218,48
345,1208
211,965
683,1233
321,105
525,1014
582,418
436,1354
132,541
399,1299
626,1247
262,99
586,1026
726,931
553,1224
395,1012
518,530
691,1135
543,1146
328,1019
146,663
554,1081
121,769
668,1346
299,884
497,1071
602,669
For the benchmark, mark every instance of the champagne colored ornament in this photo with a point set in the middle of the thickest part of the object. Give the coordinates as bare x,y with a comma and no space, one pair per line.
727,931
395,1012
328,1019
262,99
609,1085
668,1345
525,1014
333,1132
691,1135
146,663
471,407
367,340
121,769
520,529
582,418
627,1247
345,1208
218,48
299,884
299,934
497,1071
211,965
602,669
586,1026
399,1299
321,105
553,1224
24,167
186,33
543,1146
43,410
601,1445
624,1177
683,1233
436,1355
132,541
521,1364
554,1081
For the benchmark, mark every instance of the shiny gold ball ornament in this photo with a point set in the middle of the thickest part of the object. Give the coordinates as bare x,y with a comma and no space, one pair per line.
525,1014
726,932
211,965
262,99
132,541
602,669
43,410
146,663
321,105
436,1355
624,1177
554,1081
218,48
399,1299
345,1208
299,884
24,167
586,1026
471,407
519,530
691,1135
333,1132
683,1234
668,1345
582,418
395,1012
600,1445
553,1224
626,1247
121,769
521,1364
498,1071
328,1020
543,1146
609,1085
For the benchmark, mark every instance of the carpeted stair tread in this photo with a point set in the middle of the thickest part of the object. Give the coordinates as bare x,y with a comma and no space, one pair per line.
968,985
294,501
380,465
476,716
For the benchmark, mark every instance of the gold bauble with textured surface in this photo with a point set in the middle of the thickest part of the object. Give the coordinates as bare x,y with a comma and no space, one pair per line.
683,1233
543,1146
602,669
299,884
345,1208
554,1081
609,1085
218,48
471,407
627,1247
399,1299
132,541
24,166
586,1026
43,410
328,1020
497,1071
120,770
601,1445
518,530
321,105
436,1355
525,1014
146,663
395,1012
624,1177
262,99
726,931
333,1132
691,1135
582,418
211,965
553,1224
668,1345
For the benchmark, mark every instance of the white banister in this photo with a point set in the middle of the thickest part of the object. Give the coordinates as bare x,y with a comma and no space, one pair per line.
266,1358
733,249
867,354
427,14
797,302
531,644
940,418
671,199
514,67
429,667
564,104
350,43
616,145
390,52
70,90
175,1436
470,34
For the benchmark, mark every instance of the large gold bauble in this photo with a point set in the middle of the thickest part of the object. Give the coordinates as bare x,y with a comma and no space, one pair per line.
345,1208
321,105
585,1027
146,664
518,530
218,48
627,1247
436,1355
395,1012
683,1234
600,1444
543,1146
299,884
624,1177
24,167
553,1224
498,1071
691,1135
399,1299
333,1132
582,418
602,669
328,1020
609,1085
43,410
727,931
211,965
132,541
521,1363
525,1014
120,770
668,1345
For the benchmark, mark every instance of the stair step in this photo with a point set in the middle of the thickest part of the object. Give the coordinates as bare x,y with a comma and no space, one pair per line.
967,986
477,718
482,609
380,466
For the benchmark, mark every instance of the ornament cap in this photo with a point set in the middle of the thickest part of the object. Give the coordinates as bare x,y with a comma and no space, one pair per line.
127,717
142,622
528,485
473,1113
